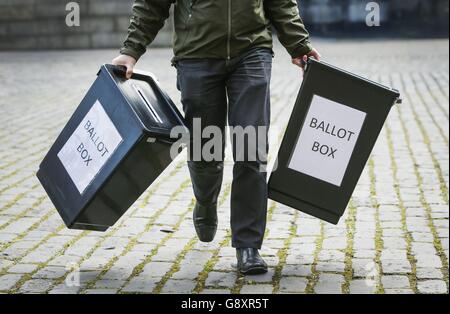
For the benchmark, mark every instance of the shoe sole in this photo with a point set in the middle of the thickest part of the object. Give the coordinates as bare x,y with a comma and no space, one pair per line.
205,240
254,271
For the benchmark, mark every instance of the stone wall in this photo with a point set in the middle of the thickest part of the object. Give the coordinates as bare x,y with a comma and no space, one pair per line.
40,24
353,11
399,18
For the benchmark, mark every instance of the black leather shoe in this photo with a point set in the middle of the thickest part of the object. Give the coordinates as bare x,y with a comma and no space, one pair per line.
249,262
205,222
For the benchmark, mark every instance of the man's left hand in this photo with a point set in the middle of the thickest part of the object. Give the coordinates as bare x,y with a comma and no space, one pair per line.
301,61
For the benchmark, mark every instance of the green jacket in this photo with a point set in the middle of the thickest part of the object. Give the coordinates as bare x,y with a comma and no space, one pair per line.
217,28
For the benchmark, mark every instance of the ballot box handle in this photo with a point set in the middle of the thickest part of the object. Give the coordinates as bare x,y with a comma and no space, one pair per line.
306,63
398,100
120,70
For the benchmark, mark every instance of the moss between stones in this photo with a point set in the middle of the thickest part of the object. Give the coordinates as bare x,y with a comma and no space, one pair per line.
378,230
425,204
283,253
314,277
134,239
115,229
407,235
350,226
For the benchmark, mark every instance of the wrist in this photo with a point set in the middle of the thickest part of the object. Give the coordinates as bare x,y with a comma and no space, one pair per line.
302,50
130,53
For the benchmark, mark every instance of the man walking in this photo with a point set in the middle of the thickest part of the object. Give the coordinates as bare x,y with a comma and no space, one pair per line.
223,56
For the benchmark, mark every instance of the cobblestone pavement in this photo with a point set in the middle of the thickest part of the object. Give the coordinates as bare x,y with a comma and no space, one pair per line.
394,237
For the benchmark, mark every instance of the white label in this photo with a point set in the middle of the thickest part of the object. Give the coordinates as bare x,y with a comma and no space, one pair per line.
327,140
89,147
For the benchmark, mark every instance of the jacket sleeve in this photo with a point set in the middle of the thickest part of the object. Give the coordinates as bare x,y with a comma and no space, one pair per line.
147,19
285,17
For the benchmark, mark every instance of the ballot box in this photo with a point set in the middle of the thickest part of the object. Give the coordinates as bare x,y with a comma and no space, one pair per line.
114,146
333,128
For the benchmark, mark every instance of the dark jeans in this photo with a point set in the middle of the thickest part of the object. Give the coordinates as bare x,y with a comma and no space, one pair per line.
240,89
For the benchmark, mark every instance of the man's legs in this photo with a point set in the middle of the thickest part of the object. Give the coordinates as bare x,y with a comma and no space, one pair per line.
203,94
204,86
248,87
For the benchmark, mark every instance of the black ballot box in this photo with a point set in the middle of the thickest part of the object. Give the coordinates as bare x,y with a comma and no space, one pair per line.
335,123
114,146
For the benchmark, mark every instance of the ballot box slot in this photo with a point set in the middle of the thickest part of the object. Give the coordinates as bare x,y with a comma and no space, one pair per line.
150,107
145,98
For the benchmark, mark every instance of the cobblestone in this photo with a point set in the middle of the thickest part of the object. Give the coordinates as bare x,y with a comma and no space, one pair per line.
293,284
432,286
220,279
394,237
361,286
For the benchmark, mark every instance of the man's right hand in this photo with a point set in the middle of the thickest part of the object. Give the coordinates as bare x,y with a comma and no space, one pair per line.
301,61
127,61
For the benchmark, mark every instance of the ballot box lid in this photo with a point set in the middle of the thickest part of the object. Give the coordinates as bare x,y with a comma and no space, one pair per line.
333,128
325,66
151,104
